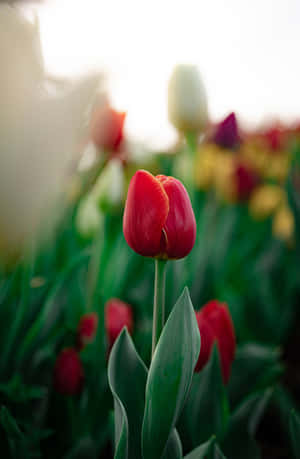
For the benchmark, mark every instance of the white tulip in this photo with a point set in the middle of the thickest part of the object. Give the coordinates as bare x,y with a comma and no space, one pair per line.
187,101
89,219
40,132
108,191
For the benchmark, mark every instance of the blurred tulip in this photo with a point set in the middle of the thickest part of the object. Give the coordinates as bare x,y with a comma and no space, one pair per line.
87,329
187,101
68,372
107,128
265,200
109,191
226,133
117,316
206,164
40,132
275,138
158,219
215,325
284,224
245,180
89,219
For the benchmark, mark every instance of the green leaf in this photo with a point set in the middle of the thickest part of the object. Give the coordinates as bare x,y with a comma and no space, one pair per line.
15,437
84,448
239,441
170,376
127,379
217,453
174,448
201,451
206,411
294,425
255,367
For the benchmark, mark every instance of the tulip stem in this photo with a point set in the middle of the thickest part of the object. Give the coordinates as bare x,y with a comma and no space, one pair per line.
159,301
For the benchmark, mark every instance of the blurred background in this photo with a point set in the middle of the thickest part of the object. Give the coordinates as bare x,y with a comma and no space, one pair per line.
246,51
91,92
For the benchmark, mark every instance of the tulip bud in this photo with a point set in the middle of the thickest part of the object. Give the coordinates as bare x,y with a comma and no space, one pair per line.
89,219
215,324
87,329
68,372
108,191
158,219
107,128
226,134
187,102
117,316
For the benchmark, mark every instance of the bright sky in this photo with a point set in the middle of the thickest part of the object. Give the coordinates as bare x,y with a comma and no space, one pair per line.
247,52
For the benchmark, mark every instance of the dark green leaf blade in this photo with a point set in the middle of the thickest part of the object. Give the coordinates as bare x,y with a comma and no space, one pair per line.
294,425
239,441
206,412
170,376
174,448
127,378
201,451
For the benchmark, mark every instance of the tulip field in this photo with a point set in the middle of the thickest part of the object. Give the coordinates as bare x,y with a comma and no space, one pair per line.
149,302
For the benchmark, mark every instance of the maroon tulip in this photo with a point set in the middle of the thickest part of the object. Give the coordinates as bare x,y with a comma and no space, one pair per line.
117,316
275,138
245,180
226,134
158,219
215,325
68,372
87,329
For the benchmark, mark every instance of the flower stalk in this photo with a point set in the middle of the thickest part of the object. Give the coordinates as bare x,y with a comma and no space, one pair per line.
159,301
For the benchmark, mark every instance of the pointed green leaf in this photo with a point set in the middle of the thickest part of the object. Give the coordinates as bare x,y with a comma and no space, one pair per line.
15,437
217,453
173,449
206,411
255,367
127,378
294,425
202,451
170,376
239,441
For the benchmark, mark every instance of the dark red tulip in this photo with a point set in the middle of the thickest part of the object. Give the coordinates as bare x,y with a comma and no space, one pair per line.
68,372
107,128
275,138
158,219
117,316
215,325
245,180
87,329
226,133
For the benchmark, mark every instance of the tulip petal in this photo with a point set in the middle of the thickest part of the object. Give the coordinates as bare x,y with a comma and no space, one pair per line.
145,214
180,226
218,317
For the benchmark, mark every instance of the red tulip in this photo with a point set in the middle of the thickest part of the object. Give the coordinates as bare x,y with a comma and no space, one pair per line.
117,316
245,180
226,134
68,372
87,329
275,138
215,324
107,128
158,219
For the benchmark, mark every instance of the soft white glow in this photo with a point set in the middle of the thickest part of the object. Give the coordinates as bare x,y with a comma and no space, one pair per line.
247,53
